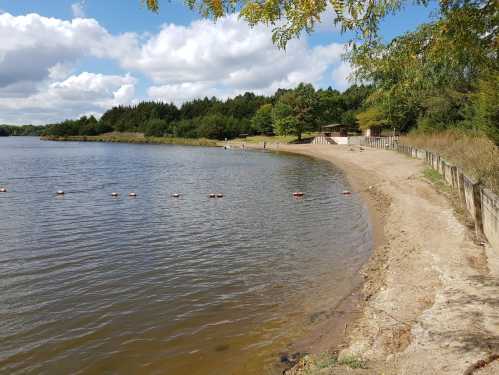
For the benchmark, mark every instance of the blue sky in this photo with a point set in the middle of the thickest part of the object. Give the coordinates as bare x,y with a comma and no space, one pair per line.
63,59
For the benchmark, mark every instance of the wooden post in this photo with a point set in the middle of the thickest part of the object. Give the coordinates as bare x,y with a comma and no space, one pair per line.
477,200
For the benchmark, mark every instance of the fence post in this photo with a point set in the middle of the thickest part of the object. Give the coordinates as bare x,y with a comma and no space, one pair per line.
460,184
477,197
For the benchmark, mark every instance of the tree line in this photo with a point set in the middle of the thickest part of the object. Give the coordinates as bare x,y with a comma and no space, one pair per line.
24,130
287,112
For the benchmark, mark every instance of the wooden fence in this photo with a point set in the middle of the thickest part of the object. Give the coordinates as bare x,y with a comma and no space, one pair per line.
481,203
387,143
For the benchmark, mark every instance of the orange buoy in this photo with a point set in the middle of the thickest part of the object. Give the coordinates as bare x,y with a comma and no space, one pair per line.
346,192
60,192
132,194
220,195
3,190
114,194
298,194
212,195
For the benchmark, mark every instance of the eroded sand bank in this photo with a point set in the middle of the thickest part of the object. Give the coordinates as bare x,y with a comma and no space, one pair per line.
431,294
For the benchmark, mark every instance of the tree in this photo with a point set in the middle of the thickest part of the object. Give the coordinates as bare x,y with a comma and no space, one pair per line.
426,78
155,128
296,111
331,105
281,115
486,107
262,120
87,126
371,117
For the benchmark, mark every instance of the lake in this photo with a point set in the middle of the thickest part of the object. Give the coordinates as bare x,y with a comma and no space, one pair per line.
93,284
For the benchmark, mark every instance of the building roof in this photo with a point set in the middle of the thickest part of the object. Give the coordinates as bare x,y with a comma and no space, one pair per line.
332,126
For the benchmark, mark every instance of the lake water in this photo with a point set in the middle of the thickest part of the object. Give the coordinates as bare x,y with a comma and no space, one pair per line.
92,284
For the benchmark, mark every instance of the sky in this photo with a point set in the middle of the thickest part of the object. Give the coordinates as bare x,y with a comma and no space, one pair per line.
68,58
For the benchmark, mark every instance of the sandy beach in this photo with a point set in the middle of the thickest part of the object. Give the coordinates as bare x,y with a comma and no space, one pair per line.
430,298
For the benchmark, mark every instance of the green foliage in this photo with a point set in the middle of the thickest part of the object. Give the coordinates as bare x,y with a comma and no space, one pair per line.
261,122
296,111
286,125
442,111
24,130
436,179
330,106
429,78
486,107
349,118
217,126
371,117
156,127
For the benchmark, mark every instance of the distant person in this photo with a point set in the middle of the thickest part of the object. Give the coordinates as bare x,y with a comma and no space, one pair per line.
264,145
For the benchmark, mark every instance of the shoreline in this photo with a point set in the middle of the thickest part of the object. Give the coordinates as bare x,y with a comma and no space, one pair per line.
429,294
350,307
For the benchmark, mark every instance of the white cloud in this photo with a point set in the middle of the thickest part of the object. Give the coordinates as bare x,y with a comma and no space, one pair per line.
340,75
78,94
60,71
78,9
40,43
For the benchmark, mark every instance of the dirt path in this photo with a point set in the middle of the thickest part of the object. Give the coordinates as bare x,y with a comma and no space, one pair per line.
431,294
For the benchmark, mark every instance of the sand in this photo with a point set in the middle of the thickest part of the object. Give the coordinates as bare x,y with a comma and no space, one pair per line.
430,297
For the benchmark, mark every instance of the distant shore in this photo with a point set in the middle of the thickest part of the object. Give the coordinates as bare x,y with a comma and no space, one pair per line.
127,137
135,138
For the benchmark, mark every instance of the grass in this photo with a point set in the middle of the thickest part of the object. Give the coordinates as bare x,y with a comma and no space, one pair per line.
477,155
436,179
140,138
317,364
325,360
136,138
353,362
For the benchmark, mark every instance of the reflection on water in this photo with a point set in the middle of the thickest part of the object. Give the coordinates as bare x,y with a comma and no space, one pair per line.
156,284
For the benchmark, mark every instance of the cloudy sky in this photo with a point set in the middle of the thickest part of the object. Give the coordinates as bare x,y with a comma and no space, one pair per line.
64,59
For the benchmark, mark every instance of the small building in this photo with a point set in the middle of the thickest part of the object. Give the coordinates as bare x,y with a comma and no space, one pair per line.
336,134
335,130
374,131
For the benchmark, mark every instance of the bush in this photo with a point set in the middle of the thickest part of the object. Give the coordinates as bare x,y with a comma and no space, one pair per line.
155,128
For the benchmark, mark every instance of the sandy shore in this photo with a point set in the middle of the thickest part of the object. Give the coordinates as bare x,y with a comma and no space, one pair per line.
430,298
